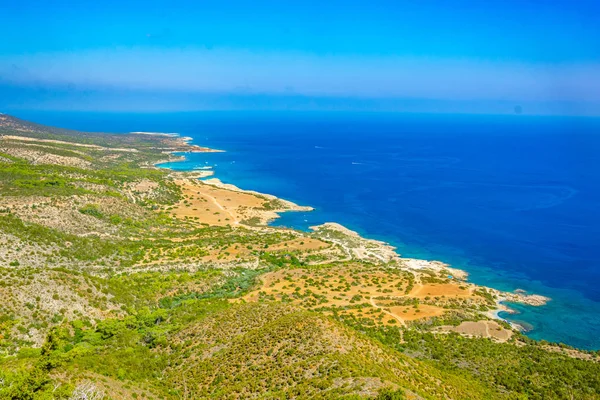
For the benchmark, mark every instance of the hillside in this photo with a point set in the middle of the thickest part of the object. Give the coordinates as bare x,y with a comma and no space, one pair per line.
120,280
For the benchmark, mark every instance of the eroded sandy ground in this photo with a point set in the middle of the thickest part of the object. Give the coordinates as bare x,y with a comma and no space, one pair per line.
484,329
214,203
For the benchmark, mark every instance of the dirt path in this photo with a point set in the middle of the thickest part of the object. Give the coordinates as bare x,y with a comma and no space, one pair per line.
220,207
386,312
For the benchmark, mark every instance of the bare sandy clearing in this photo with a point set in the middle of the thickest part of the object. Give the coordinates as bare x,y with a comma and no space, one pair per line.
302,244
440,289
409,313
201,204
220,205
485,329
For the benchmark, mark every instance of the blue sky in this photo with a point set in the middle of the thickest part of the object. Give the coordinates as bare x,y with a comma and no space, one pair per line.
418,56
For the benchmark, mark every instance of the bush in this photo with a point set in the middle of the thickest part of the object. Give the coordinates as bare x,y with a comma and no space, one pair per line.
388,394
93,210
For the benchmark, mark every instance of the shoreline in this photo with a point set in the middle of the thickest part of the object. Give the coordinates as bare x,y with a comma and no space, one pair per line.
413,264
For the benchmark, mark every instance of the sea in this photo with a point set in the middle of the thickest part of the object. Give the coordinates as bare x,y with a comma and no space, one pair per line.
514,200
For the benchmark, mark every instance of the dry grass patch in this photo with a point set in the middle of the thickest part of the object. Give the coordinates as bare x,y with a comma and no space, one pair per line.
411,313
214,206
485,329
300,244
441,289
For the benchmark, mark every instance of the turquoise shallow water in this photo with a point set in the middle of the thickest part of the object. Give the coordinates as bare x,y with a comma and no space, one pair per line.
512,200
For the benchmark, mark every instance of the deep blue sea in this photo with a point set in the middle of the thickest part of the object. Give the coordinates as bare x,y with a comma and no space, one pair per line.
513,200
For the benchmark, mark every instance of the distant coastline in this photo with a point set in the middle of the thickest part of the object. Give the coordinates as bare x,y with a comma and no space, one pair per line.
156,134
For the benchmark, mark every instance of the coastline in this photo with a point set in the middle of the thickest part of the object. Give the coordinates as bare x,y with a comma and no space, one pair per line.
178,144
389,251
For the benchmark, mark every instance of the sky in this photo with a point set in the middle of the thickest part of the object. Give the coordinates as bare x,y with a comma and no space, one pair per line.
534,57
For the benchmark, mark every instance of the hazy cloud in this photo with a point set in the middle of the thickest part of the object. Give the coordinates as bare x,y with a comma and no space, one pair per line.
225,70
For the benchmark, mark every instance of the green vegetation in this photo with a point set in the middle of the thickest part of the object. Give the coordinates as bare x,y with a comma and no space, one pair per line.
104,291
514,371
